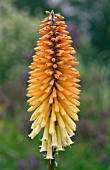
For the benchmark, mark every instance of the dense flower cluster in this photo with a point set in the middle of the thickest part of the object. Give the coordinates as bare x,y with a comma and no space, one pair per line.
53,87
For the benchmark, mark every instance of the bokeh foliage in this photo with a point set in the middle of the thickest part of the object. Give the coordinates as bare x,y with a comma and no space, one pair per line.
18,34
89,26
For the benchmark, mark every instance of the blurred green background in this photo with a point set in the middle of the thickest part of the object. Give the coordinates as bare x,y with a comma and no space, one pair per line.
89,26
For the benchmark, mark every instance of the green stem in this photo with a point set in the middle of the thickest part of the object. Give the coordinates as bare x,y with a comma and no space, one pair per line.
51,164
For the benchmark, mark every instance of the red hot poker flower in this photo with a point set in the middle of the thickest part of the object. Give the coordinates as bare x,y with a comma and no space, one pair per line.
53,86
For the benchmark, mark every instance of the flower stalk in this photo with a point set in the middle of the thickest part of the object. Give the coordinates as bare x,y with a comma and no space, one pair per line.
53,88
51,164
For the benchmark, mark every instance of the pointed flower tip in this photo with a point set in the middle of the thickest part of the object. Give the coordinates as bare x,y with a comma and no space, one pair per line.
52,12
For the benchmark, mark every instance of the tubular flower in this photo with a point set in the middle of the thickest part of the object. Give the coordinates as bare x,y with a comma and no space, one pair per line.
53,87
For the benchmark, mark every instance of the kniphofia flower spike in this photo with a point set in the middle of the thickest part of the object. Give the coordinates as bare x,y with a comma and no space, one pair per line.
53,87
